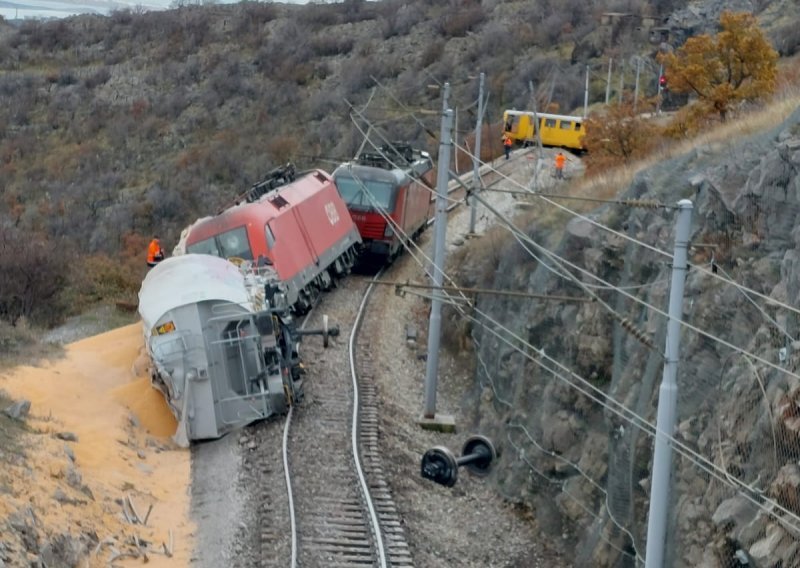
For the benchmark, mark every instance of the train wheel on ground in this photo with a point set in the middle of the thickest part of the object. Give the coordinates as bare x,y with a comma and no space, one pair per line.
440,465
483,450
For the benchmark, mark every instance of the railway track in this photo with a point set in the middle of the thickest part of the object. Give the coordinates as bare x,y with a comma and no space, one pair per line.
345,515
338,511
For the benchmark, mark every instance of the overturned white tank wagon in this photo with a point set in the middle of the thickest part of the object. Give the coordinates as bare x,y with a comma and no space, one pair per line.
222,344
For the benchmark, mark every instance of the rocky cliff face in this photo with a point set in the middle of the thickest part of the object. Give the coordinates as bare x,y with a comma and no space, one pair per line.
547,390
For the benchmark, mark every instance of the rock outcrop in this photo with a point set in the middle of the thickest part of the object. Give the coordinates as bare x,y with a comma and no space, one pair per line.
581,460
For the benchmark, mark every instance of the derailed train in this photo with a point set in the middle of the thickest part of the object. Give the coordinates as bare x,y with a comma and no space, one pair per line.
217,317
299,225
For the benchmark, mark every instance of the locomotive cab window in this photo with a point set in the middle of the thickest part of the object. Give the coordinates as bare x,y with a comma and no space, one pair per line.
550,123
566,125
577,126
366,193
208,246
226,245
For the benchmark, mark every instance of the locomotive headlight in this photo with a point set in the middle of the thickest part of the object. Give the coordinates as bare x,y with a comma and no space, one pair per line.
388,232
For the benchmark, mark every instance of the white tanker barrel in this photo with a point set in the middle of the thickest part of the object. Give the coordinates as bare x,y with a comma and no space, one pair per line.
206,351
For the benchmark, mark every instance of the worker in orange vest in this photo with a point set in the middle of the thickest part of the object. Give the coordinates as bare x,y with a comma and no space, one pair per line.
155,253
561,159
507,142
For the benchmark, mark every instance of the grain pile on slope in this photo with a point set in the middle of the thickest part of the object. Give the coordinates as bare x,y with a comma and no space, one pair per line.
91,459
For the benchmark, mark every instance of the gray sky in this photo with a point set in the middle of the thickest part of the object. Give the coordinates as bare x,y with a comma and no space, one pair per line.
11,9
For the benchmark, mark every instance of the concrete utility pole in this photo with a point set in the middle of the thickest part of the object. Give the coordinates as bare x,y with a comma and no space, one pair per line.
429,419
658,98
586,94
621,80
608,80
668,397
455,142
636,90
476,160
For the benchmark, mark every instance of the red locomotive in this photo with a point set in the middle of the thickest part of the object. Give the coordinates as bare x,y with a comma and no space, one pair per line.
299,225
387,197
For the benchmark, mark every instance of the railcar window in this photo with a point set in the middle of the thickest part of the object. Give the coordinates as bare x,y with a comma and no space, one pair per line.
577,126
566,125
550,123
366,194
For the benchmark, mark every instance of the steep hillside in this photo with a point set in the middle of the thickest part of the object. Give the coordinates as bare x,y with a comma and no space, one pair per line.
571,386
114,128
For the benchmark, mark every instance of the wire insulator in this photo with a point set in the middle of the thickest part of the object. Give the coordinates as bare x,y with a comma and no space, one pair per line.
642,203
631,328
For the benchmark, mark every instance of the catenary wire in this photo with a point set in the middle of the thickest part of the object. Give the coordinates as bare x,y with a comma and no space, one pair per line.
701,268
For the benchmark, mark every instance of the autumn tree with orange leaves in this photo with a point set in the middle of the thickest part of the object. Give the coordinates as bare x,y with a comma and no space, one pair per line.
618,135
737,64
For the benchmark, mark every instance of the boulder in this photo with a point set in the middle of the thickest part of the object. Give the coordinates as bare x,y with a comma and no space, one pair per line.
785,489
737,511
765,551
559,432
19,410
63,551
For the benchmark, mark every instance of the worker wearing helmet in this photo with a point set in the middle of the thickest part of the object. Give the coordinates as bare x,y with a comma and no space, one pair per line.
155,253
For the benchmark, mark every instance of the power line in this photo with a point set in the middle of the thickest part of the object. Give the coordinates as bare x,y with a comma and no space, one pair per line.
563,261
400,285
643,203
700,268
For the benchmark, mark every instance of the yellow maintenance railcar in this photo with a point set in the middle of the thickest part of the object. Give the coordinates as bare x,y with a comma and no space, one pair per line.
555,129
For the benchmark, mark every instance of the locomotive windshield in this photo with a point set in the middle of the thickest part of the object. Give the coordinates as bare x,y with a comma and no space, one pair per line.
366,194
226,245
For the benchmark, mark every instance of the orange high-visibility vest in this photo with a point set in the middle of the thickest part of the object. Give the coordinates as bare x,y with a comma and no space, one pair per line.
507,141
560,159
153,251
